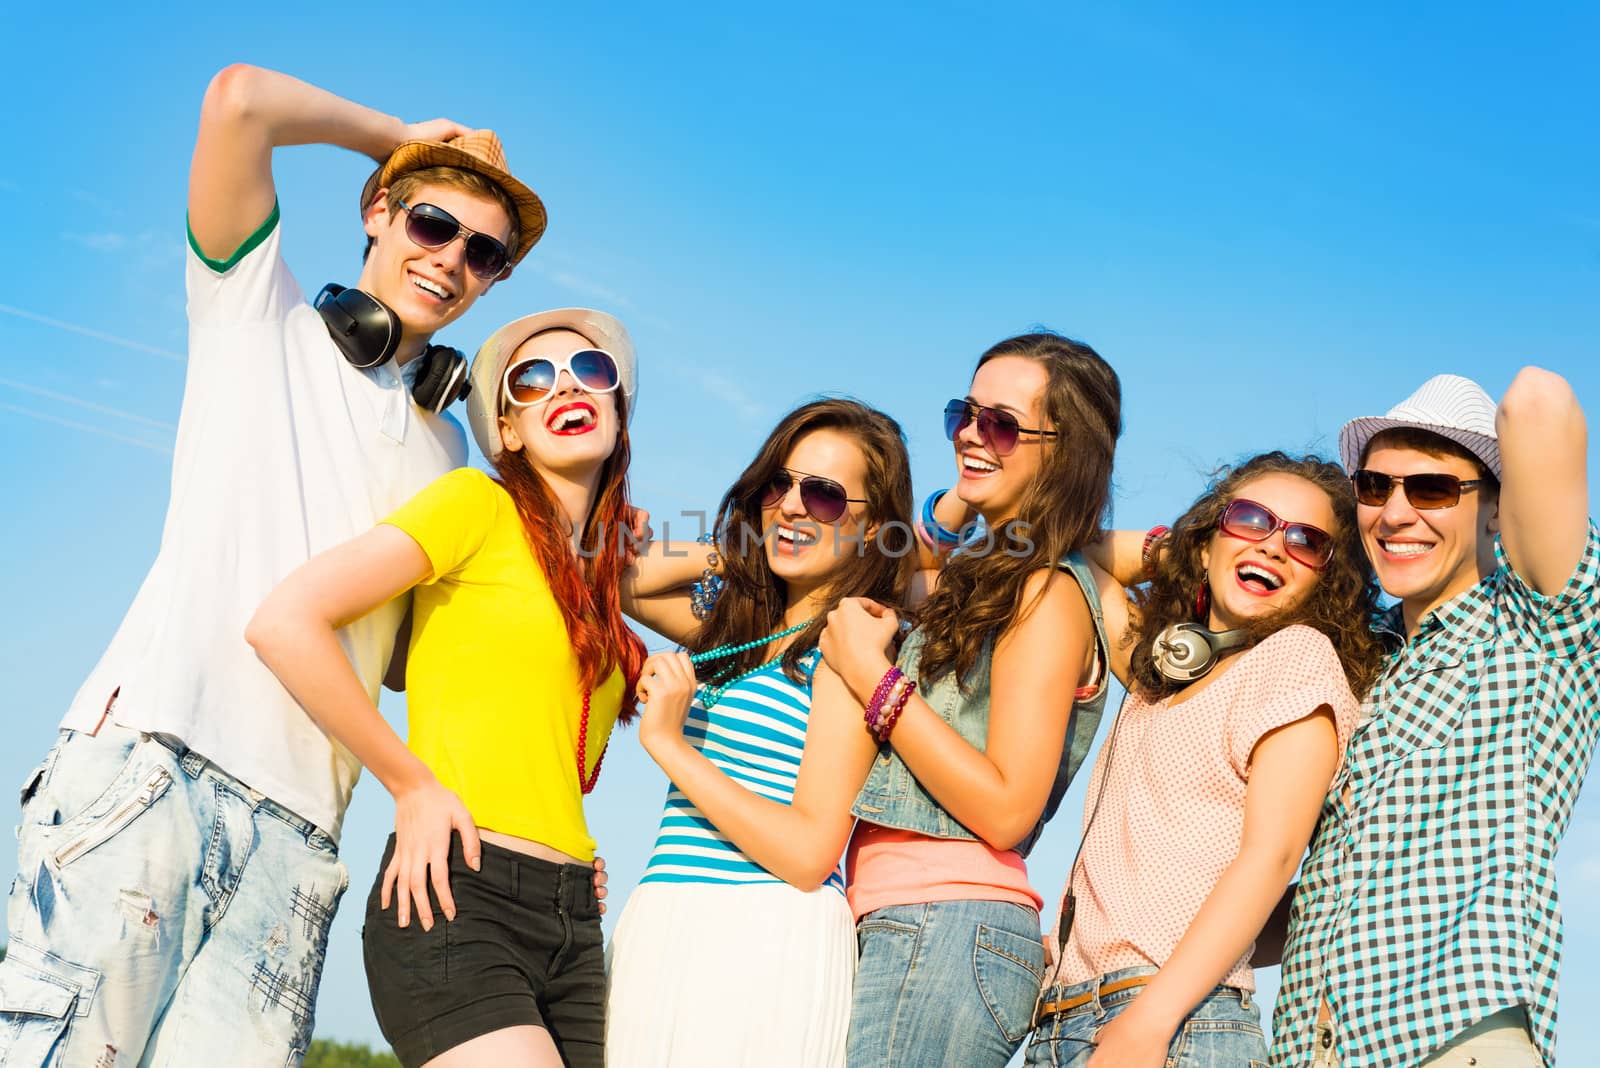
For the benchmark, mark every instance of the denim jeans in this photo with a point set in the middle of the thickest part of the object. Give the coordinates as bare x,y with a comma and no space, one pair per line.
163,913
1223,1031
948,983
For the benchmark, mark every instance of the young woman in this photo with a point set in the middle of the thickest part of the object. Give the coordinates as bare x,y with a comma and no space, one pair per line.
967,745
1240,657
519,664
717,959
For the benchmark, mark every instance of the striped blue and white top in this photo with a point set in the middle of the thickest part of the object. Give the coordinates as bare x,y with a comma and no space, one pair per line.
755,735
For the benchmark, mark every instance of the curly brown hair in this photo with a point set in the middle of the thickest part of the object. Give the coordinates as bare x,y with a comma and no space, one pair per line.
753,599
1342,605
980,593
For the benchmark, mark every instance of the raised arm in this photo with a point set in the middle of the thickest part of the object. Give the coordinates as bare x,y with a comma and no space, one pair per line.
1544,491
799,842
1290,769
1120,554
998,792
247,112
655,586
294,633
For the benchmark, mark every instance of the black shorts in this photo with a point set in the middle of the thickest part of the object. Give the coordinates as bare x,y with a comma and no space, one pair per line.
524,948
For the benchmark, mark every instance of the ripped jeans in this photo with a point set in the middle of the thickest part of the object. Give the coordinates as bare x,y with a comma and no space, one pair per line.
163,913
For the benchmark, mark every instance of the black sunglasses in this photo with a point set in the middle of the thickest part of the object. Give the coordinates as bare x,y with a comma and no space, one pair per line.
433,227
823,499
998,428
1428,491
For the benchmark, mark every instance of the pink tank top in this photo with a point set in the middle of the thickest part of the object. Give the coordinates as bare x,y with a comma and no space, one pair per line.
886,866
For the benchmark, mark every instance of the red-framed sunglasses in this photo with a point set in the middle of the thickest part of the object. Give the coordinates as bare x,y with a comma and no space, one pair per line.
1309,545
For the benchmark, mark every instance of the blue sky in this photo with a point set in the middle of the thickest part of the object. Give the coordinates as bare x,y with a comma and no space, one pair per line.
1269,221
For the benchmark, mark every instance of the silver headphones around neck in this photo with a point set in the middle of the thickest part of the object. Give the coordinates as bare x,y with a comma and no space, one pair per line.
1184,652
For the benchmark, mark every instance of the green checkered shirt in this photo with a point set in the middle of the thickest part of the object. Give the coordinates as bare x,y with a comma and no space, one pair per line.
1429,899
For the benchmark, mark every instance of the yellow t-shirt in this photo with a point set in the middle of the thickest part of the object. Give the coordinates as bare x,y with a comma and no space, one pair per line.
493,692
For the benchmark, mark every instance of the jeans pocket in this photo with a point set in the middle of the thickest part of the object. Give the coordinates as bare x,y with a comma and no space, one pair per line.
34,1013
80,773
109,815
1208,1043
1008,968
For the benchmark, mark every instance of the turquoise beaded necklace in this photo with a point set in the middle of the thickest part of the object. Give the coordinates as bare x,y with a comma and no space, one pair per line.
710,695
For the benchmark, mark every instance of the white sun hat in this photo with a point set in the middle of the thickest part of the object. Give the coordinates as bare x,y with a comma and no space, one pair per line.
489,365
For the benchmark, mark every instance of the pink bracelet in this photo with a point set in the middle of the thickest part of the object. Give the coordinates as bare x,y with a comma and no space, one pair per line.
874,707
899,706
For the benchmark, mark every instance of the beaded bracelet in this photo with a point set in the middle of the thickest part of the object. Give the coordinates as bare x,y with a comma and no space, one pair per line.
703,594
1155,534
880,714
946,537
874,707
894,713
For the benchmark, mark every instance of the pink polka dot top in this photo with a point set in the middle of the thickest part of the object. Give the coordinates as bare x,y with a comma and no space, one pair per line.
1171,815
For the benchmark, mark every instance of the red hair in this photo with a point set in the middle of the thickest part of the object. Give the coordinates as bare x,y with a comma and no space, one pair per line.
587,590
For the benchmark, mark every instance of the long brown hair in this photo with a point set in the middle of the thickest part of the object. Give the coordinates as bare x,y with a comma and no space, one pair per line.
586,589
980,593
1343,604
753,598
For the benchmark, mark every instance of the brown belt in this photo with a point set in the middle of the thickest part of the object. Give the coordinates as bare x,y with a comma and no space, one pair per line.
1055,1008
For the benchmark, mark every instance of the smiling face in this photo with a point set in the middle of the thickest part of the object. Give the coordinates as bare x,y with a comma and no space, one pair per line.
1251,580
572,431
994,484
428,288
804,553
1427,557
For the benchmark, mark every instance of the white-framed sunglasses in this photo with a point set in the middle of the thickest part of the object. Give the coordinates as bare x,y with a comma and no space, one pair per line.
531,381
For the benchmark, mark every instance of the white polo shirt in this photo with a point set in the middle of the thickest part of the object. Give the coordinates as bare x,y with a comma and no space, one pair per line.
283,450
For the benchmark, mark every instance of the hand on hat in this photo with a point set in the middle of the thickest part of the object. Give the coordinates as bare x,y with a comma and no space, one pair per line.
440,130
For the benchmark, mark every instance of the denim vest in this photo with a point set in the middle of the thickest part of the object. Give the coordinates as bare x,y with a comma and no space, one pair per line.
892,796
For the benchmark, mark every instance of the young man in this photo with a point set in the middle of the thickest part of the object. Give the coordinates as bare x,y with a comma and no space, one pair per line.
1426,928
178,863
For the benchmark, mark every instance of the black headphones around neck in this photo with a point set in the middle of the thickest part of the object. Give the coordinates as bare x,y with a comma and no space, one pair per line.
1184,652
367,331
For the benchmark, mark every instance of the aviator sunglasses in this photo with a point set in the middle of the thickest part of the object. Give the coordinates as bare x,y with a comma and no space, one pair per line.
531,381
1425,491
1309,545
823,499
433,227
997,428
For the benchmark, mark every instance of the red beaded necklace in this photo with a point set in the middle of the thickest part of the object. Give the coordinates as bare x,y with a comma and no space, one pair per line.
588,781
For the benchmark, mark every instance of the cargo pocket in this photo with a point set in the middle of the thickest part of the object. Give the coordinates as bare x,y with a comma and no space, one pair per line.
1008,968
34,1012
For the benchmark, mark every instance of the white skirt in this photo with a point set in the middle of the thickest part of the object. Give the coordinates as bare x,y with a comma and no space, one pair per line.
703,975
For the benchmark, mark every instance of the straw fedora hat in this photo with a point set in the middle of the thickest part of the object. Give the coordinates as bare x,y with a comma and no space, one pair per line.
478,151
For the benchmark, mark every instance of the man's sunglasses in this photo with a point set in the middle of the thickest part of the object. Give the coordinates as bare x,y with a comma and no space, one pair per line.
1309,545
996,427
433,227
823,499
532,381
1425,491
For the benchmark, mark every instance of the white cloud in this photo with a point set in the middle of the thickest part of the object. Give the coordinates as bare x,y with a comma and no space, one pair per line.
104,241
733,395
